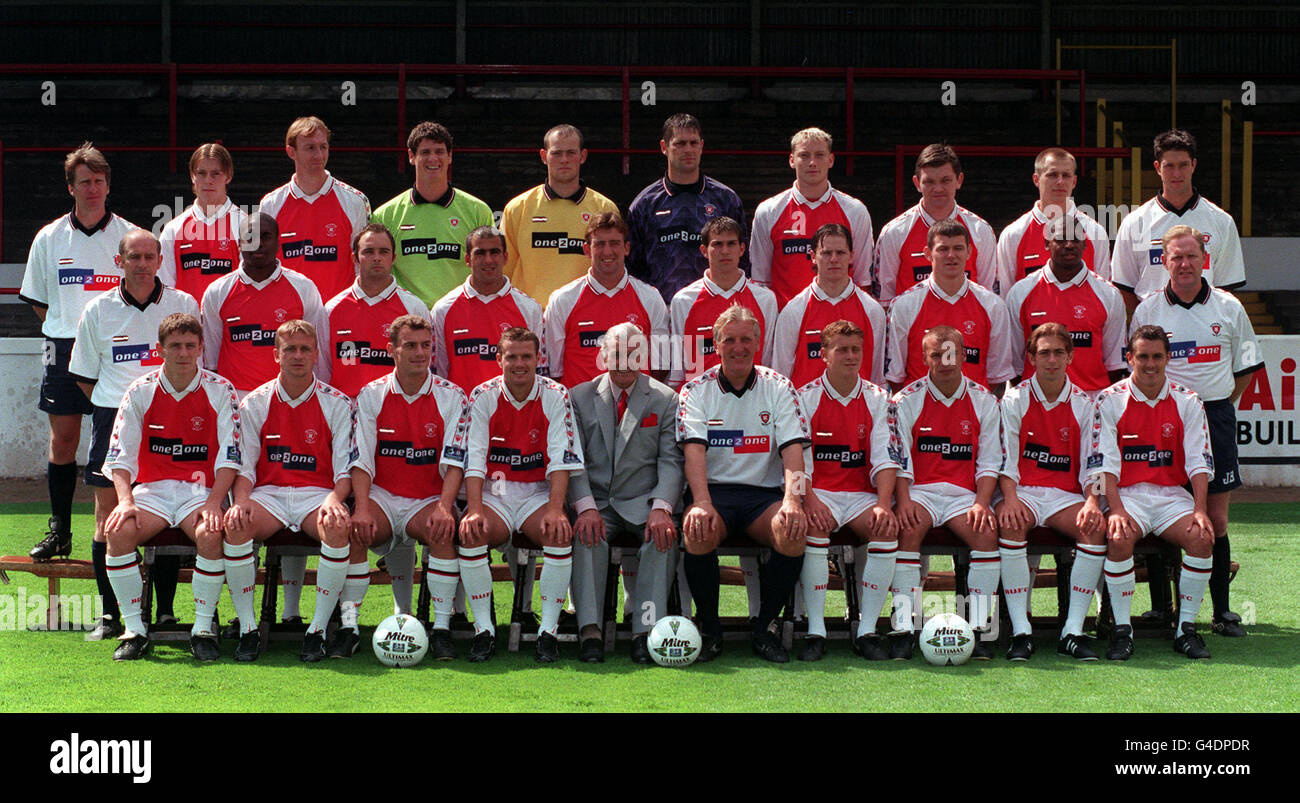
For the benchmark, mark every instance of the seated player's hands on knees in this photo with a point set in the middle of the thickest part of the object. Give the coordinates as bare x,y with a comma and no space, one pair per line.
555,526
1014,515
793,520
659,528
1201,529
333,513
909,515
123,513
239,516
981,519
440,524
1090,520
819,515
210,516
589,528
882,524
1121,528
363,522
702,523
473,529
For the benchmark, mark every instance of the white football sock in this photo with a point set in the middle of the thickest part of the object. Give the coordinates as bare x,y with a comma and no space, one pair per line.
442,579
1191,588
814,577
331,574
293,568
749,565
1121,583
1015,583
906,588
1084,577
557,568
241,579
982,582
476,575
877,574
209,575
354,591
128,587
401,568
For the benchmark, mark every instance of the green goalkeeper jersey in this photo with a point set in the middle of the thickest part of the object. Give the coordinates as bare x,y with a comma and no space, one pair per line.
430,236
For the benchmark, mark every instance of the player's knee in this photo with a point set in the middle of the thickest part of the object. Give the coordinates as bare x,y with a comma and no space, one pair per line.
789,547
1201,546
207,542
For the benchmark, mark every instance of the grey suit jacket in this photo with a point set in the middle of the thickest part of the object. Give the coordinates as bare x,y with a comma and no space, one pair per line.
631,465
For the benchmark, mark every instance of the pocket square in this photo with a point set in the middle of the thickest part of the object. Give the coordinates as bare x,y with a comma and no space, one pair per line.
651,420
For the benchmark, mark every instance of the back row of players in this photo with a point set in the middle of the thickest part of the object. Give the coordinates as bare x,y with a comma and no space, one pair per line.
249,302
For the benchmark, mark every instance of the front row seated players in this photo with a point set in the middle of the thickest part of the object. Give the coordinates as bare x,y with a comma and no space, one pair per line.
522,446
406,473
852,485
744,439
949,447
173,456
296,440
1149,441
1042,421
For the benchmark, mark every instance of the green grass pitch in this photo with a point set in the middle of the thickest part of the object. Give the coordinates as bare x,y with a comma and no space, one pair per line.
60,671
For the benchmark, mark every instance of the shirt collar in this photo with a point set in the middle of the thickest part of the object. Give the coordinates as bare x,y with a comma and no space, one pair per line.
167,386
89,231
208,220
718,291
395,387
930,221
532,394
443,200
1050,276
740,391
297,192
799,196
1179,210
672,188
382,295
246,279
1037,390
597,287
1037,211
938,291
284,396
834,394
552,195
472,293
153,297
946,401
1137,394
821,294
1202,295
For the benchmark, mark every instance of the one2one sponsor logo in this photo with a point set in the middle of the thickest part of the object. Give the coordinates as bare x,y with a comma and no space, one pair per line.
88,279
143,354
307,250
738,441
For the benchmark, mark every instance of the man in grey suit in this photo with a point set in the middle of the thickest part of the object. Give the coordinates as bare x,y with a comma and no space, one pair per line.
632,485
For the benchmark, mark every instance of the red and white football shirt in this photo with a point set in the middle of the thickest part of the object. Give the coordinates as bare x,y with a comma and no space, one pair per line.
1042,440
197,249
1021,249
166,433
240,317
406,442
954,440
900,252
693,312
1162,440
1136,261
358,334
467,327
1088,306
797,348
977,313
301,443
521,441
850,434
579,314
780,242
316,230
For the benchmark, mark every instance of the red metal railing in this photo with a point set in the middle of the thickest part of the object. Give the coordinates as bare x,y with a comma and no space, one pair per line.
401,73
